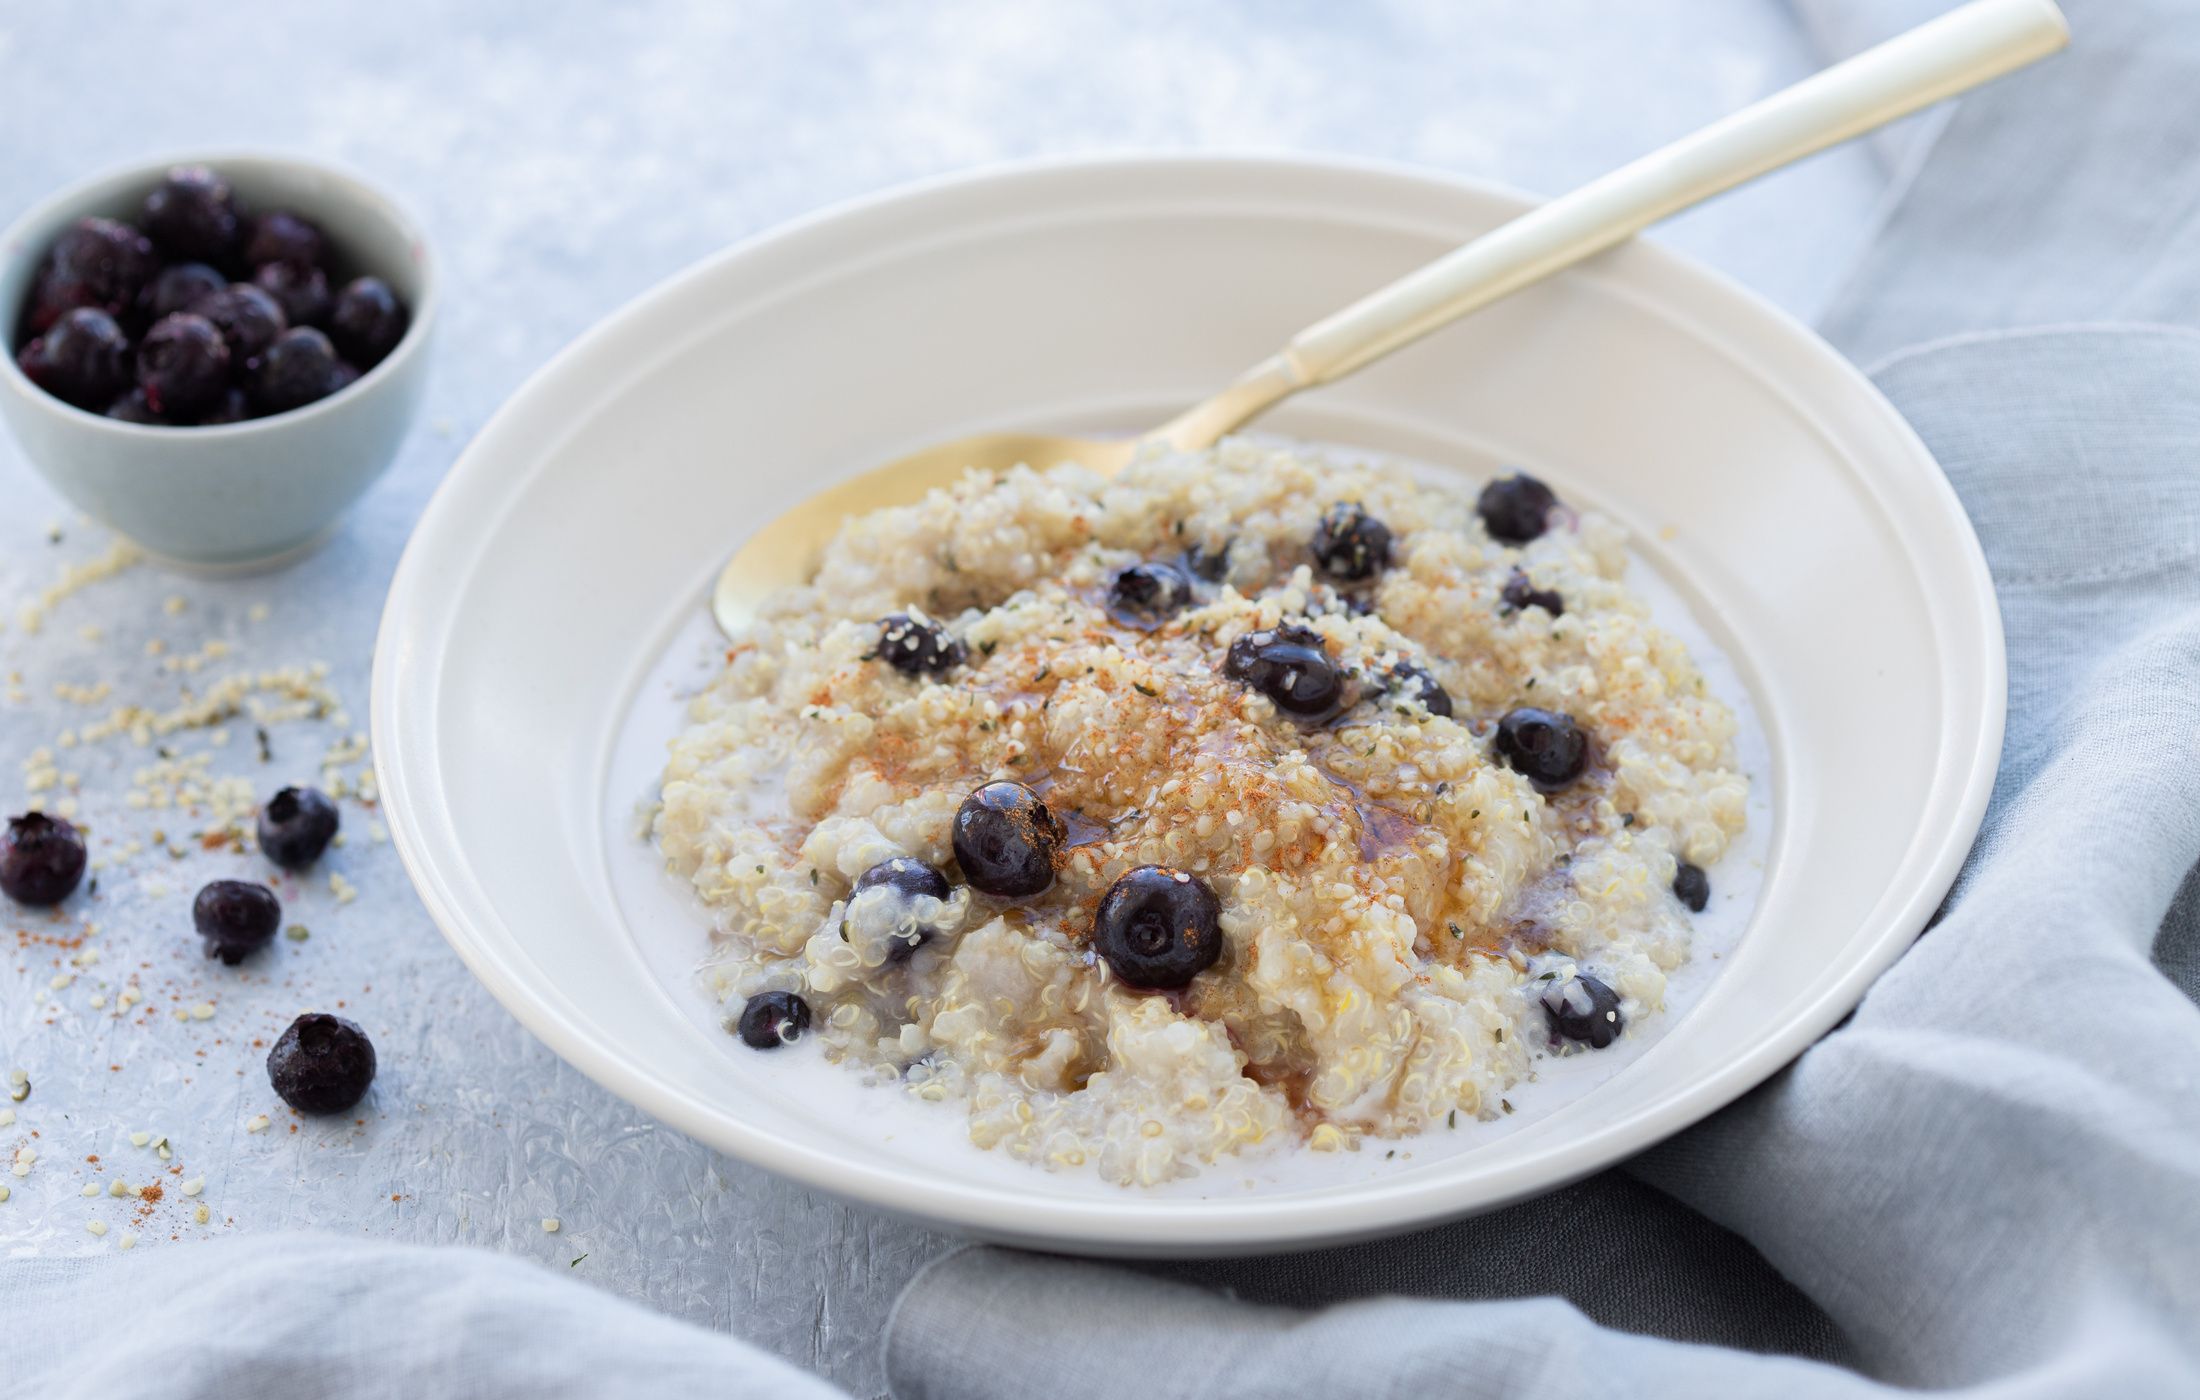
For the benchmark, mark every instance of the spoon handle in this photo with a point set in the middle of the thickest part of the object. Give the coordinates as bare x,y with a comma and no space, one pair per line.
1954,53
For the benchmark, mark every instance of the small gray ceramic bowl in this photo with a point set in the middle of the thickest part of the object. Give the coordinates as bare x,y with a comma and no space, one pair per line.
239,494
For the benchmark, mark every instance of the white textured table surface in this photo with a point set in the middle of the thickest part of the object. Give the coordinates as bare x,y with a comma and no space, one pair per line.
565,158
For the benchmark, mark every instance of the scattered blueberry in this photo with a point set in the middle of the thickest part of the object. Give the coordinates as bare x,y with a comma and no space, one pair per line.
1292,667
1412,679
280,236
296,825
236,918
248,318
1521,593
95,263
301,291
182,365
1158,928
1146,595
131,407
1582,1008
1516,509
366,321
83,358
41,859
1543,746
299,368
193,214
917,646
321,1064
1007,840
911,878
176,286
1349,543
772,1019
1692,886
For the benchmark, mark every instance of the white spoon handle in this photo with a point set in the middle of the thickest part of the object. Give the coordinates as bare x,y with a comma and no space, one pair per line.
1960,50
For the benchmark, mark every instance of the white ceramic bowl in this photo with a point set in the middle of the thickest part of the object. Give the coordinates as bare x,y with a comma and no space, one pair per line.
238,494
1761,474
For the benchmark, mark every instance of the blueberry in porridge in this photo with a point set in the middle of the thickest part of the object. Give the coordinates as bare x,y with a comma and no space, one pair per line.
1254,798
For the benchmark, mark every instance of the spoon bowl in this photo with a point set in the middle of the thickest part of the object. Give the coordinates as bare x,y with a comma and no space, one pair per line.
787,550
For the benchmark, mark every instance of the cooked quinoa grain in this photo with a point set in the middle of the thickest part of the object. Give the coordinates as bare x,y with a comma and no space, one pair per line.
1393,893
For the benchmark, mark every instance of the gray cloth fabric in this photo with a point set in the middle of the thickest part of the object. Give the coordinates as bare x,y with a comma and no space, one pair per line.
307,1317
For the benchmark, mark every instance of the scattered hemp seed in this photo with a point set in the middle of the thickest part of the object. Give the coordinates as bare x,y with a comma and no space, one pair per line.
195,1185
551,1224
116,1188
128,1241
97,1227
91,1188
204,1011
5,1193
257,1123
297,933
139,1139
202,1215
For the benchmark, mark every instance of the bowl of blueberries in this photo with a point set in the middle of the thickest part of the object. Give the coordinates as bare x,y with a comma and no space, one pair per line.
215,356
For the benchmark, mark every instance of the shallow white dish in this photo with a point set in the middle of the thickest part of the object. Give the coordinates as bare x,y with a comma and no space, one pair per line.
1762,476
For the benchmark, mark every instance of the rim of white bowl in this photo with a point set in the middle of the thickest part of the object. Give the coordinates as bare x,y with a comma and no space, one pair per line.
74,200
426,841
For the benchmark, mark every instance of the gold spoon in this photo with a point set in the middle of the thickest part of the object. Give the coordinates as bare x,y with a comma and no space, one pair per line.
1952,54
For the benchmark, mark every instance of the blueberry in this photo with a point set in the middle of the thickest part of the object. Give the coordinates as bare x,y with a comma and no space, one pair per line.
1349,543
1583,1009
912,879
1692,886
236,918
132,408
175,287
96,263
297,369
1417,682
182,365
1515,509
1292,667
192,213
1210,562
772,1019
248,318
83,358
301,291
1146,595
41,859
280,236
1158,928
232,407
1007,840
918,646
296,825
321,1064
1543,746
366,321
1521,593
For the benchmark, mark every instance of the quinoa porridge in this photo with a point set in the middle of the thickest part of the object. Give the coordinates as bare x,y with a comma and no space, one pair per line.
1253,798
